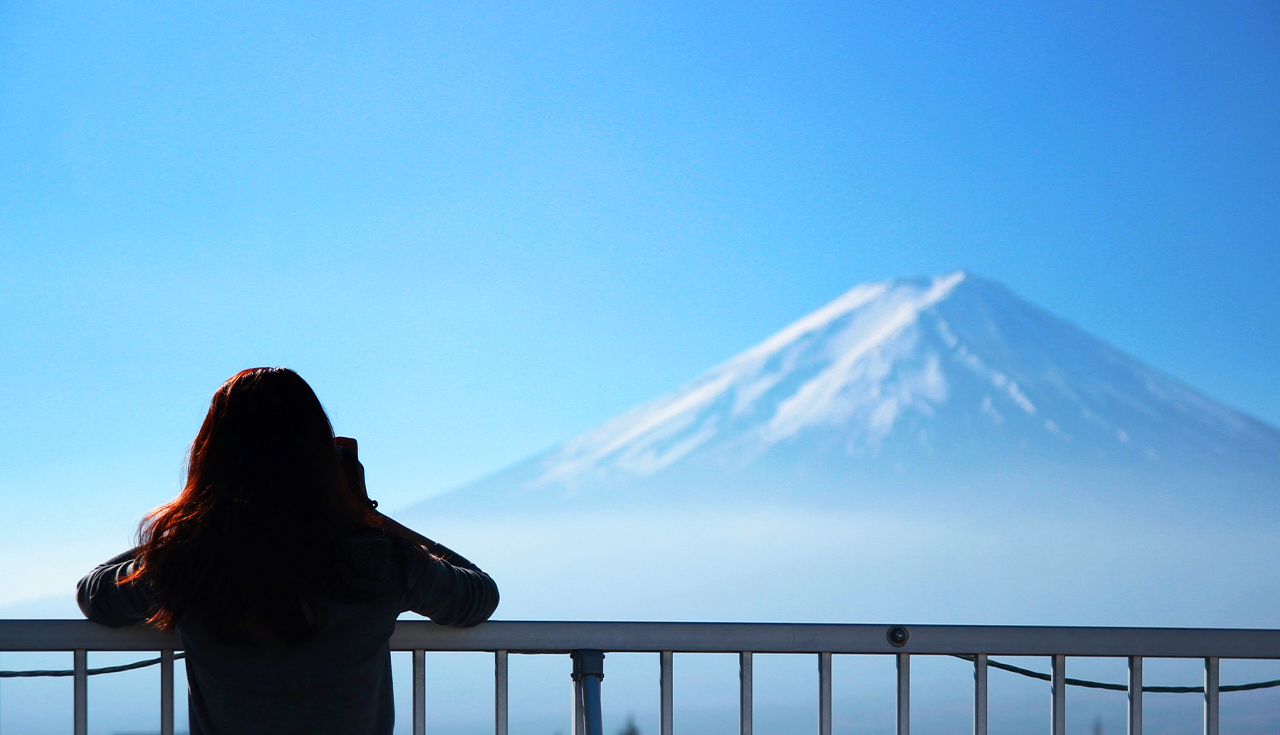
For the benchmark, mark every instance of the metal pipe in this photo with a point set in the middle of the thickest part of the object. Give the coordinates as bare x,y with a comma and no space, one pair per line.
500,693
591,714
980,694
837,638
578,721
588,672
565,637
1135,695
419,693
746,688
824,694
80,716
166,693
903,726
1211,695
1058,709
664,693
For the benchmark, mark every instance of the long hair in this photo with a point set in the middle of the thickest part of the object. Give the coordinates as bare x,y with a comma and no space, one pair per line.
251,543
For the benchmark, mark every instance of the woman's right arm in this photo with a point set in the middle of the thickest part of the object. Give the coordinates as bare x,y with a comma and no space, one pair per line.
438,550
440,583
444,586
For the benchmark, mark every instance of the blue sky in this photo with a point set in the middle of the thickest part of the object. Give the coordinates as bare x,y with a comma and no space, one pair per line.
478,230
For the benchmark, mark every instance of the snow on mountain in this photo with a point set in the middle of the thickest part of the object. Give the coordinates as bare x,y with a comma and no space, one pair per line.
918,372
928,449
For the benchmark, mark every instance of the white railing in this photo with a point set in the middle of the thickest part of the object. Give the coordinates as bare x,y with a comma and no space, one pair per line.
586,642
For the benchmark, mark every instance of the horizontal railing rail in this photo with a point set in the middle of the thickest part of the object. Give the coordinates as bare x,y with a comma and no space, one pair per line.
586,642
566,637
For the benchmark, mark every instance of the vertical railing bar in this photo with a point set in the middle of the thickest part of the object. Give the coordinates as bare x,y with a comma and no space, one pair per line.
824,693
500,693
577,712
166,692
1211,667
903,726
746,708
588,675
980,694
1058,708
592,716
1135,695
664,686
80,694
419,692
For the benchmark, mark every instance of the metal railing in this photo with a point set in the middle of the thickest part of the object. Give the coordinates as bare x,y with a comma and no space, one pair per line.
587,642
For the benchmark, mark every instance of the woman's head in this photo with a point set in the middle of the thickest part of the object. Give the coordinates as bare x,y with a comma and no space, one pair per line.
253,538
266,440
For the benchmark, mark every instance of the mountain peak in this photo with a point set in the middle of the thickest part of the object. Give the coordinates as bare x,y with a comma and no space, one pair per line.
918,371
913,294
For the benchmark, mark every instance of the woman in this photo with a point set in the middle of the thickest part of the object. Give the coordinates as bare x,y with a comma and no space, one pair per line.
279,575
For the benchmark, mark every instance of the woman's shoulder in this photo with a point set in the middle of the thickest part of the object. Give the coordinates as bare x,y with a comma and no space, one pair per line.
369,562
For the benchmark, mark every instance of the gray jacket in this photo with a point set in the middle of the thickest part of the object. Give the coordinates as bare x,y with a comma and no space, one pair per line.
339,682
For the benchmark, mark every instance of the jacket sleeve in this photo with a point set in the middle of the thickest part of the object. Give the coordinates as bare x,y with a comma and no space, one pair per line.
104,599
447,588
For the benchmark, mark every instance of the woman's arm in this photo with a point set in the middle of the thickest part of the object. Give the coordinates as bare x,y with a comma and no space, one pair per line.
449,594
105,599
438,550
440,583
348,455
443,584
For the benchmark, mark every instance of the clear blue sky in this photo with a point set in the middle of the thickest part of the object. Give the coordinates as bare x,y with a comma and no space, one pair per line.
479,229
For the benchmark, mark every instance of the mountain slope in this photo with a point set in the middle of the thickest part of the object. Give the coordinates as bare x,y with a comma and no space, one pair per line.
927,378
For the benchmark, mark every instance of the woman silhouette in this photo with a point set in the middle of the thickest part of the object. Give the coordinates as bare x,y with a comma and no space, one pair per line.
281,578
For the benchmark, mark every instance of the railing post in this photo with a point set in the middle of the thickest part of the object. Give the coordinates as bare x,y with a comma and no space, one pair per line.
576,717
665,719
824,694
419,692
746,688
1211,695
500,693
1135,695
166,692
588,671
80,693
980,694
1058,709
904,694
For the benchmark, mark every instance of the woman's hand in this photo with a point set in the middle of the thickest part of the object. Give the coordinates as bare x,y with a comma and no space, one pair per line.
349,458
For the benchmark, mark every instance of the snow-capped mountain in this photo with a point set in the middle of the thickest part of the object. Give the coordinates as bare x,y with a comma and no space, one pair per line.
923,377
927,449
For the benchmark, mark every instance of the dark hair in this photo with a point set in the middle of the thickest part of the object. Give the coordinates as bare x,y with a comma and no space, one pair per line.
251,544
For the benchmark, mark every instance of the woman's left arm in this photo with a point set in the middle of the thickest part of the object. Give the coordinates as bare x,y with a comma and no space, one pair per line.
105,599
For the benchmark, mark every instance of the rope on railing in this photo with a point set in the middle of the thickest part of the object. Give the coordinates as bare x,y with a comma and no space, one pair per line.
1086,683
71,672
1123,687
